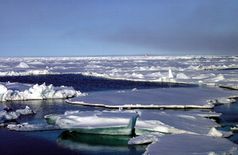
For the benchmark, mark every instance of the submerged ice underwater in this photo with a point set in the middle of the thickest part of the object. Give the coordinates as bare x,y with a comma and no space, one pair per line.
119,105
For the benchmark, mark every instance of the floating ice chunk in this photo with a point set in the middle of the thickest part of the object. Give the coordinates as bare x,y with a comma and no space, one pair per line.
96,122
145,139
222,100
215,133
26,111
22,65
32,127
13,115
134,89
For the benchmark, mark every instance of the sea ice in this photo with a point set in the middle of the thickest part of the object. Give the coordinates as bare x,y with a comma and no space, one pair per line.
17,91
216,69
185,97
22,65
32,127
9,115
187,144
96,122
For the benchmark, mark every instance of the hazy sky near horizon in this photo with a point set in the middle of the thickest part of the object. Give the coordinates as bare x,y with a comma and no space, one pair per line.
118,27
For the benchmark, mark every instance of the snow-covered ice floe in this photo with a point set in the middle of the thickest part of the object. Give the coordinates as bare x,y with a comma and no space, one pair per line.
18,91
187,144
170,98
96,122
7,115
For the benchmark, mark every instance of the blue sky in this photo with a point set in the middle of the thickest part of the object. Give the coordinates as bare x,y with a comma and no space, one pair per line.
118,27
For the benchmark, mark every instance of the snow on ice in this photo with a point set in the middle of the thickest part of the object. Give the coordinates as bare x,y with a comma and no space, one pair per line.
18,91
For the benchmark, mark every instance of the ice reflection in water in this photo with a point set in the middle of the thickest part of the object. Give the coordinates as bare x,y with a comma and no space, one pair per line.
105,144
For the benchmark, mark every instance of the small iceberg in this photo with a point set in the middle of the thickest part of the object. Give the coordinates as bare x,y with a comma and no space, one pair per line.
96,122
8,115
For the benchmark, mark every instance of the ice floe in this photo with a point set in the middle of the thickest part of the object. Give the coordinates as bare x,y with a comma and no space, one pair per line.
18,91
186,144
96,122
32,127
174,122
172,98
7,115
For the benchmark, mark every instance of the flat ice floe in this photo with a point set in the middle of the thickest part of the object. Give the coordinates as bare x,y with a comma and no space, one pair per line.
187,144
18,91
164,122
173,122
170,98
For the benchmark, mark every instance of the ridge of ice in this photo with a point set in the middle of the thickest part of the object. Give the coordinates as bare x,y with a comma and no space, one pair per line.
13,115
23,65
91,119
170,74
17,91
215,133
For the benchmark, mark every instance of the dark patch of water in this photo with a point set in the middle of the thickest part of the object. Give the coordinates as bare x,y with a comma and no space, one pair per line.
89,83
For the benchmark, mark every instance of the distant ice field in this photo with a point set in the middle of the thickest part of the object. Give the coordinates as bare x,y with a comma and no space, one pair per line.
196,69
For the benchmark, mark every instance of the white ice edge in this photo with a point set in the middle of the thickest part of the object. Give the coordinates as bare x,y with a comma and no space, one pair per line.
138,106
28,127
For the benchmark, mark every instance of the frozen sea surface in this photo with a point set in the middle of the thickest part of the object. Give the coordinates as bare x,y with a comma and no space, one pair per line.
161,97
139,80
